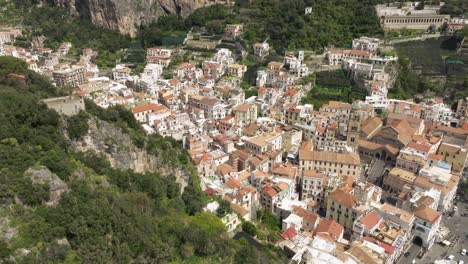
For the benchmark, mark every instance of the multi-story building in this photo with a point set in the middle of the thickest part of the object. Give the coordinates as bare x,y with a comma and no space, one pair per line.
426,225
73,76
236,70
345,208
232,31
121,72
313,186
245,113
397,179
366,43
8,35
268,141
330,162
261,49
213,108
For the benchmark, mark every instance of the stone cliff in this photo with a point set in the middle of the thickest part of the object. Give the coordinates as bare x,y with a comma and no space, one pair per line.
106,139
127,15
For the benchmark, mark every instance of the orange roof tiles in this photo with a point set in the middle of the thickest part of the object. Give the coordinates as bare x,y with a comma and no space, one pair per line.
344,198
233,183
426,213
330,227
370,220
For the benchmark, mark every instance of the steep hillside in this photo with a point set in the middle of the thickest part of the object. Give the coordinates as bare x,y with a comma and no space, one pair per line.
127,15
93,188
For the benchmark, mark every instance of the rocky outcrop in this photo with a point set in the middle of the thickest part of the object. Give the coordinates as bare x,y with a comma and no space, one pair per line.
127,15
106,139
42,175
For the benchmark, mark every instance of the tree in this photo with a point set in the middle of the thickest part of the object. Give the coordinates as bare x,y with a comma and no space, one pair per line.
78,125
249,228
224,208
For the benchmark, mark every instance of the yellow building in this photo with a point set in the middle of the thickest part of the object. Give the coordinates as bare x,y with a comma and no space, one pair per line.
345,208
397,178
330,162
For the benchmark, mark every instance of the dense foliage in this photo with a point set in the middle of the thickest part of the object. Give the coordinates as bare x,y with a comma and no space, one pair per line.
108,215
331,86
58,26
332,22
172,29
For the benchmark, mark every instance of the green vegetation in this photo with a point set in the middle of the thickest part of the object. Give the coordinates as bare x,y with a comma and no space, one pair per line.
430,67
108,215
331,86
332,22
171,30
58,26
249,228
268,226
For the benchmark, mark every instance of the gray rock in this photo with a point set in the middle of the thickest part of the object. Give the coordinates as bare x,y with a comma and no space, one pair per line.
127,15
106,139
42,175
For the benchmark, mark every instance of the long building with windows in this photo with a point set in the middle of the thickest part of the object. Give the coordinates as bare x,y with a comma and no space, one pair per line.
330,162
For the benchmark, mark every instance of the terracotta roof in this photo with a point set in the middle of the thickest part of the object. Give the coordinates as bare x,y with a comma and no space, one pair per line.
148,107
289,233
452,130
233,183
239,210
285,170
420,147
427,184
242,107
413,121
333,157
404,129
337,104
402,214
344,198
434,156
282,186
225,169
306,215
376,146
270,191
426,213
209,101
370,220
330,227
371,125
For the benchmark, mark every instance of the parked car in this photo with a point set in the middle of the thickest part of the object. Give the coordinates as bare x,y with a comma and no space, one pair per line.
463,252
451,257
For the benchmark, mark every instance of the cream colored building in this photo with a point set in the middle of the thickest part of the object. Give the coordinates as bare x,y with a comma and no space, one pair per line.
245,113
345,208
330,162
397,178
268,141
236,70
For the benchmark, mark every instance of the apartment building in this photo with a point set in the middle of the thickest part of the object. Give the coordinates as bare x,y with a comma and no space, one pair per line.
330,162
73,76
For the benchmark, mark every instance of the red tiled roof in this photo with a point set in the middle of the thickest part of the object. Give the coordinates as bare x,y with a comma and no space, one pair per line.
389,249
330,227
370,220
289,233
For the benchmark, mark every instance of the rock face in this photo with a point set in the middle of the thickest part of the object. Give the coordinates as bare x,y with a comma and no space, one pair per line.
42,175
108,140
127,15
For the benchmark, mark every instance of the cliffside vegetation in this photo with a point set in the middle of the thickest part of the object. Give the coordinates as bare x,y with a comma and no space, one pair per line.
58,26
108,215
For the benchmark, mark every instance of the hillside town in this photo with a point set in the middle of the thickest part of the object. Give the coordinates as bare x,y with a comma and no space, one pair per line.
368,181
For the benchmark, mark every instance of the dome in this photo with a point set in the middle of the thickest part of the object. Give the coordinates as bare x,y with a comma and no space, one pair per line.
356,106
